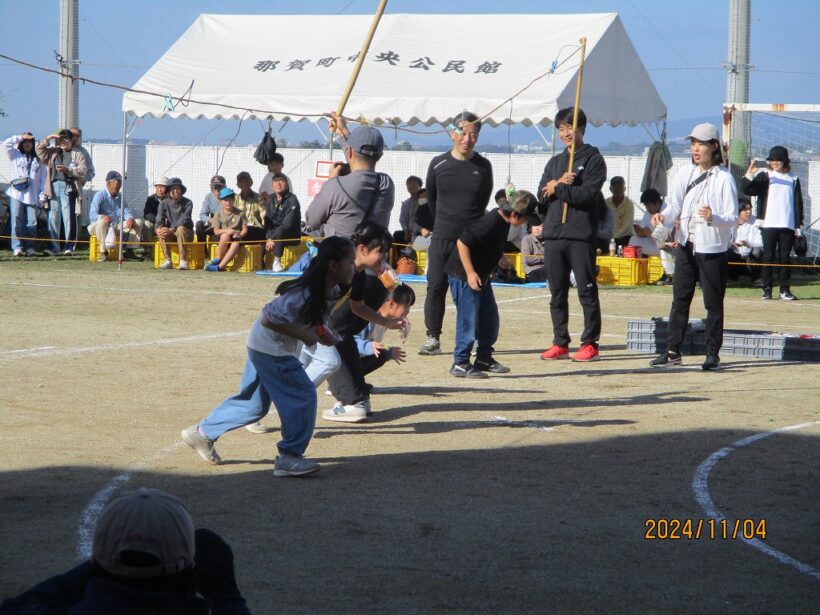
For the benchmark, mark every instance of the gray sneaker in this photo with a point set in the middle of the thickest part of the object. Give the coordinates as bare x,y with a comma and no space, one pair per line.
294,465
431,347
356,413
202,445
256,427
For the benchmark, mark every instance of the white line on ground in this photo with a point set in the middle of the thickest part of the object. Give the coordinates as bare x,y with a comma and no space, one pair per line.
88,518
50,351
700,485
503,420
175,291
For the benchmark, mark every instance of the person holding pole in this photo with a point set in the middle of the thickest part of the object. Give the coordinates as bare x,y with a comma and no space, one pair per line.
572,206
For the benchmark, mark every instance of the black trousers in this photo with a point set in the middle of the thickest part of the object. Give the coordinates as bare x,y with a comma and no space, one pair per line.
537,275
710,269
347,383
437,284
740,265
777,248
562,256
282,234
256,233
203,231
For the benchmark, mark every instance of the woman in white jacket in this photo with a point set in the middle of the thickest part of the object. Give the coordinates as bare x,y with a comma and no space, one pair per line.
704,197
24,196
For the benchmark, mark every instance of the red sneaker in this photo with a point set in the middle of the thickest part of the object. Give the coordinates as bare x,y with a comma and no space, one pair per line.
587,352
555,352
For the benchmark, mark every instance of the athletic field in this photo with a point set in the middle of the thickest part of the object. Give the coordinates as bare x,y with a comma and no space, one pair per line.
529,492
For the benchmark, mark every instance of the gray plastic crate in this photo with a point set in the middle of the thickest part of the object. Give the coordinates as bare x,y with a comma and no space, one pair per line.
650,336
766,345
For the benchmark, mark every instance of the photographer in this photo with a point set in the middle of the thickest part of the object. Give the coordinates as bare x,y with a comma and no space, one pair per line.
67,171
146,558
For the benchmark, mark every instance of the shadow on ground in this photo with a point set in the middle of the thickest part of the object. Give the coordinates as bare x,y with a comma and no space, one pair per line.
531,529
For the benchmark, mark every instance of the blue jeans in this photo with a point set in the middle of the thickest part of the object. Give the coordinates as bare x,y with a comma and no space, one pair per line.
320,362
266,379
476,319
61,208
23,225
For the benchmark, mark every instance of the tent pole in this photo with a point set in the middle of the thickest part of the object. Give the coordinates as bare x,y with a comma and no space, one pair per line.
360,60
583,42
122,188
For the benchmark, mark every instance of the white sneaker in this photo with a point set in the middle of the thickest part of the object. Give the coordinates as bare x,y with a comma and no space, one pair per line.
356,413
166,265
183,265
31,252
67,253
256,427
18,252
277,265
294,465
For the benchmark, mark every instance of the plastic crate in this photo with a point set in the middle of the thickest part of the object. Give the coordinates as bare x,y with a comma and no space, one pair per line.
619,271
421,260
654,268
248,258
767,345
293,254
94,250
196,255
651,336
517,261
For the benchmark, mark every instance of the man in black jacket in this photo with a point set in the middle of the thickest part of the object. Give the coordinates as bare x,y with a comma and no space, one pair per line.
283,217
459,185
570,246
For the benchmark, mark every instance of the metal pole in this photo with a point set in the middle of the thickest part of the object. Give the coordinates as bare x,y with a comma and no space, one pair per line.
737,82
124,179
69,51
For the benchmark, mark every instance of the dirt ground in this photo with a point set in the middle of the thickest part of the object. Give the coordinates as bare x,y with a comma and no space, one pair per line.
525,493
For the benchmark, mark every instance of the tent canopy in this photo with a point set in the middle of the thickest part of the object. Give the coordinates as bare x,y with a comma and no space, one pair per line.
419,69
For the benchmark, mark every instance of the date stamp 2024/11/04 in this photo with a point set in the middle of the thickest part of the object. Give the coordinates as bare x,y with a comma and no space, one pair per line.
709,529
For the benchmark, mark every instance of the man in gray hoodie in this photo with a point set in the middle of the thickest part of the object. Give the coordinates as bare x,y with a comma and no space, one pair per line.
355,192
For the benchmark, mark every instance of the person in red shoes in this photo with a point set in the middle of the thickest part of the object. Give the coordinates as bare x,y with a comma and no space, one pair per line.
569,247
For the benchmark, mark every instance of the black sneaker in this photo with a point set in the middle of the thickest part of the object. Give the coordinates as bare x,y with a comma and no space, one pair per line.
666,359
492,366
767,294
711,364
666,280
786,295
465,370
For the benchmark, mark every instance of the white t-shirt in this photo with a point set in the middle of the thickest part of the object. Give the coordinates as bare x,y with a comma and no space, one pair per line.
780,201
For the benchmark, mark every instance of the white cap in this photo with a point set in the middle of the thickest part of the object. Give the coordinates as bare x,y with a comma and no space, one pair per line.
704,132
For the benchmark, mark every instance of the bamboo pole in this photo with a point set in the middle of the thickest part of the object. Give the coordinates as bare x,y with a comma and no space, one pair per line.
360,60
583,42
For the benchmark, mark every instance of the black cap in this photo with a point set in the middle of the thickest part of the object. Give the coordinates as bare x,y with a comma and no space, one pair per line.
218,180
779,153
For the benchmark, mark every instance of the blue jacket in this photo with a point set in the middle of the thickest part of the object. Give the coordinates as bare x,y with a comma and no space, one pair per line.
104,205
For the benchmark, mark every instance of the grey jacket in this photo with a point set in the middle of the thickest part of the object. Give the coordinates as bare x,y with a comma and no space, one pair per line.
343,202
173,215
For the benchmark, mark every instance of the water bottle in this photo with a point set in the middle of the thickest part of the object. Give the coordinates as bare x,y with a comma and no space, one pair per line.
612,247
620,250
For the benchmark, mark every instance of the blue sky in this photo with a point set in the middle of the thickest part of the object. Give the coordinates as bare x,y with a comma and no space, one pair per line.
682,44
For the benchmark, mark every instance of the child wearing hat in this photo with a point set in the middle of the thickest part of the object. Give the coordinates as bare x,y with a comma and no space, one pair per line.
230,227
779,214
478,249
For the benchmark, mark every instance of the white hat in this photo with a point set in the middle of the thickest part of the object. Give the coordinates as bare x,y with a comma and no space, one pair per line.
704,132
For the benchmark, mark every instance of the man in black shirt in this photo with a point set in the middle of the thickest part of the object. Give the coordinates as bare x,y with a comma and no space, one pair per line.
459,186
468,269
570,246
149,211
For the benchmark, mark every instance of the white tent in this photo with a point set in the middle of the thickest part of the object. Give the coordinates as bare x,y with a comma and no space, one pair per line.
420,69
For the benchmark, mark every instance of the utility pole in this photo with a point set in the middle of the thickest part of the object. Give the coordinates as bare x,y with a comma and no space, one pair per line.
69,113
737,81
